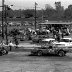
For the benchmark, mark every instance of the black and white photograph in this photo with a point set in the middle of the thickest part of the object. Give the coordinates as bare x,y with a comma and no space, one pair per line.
35,35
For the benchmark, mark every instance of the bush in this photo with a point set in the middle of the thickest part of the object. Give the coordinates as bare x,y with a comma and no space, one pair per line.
14,32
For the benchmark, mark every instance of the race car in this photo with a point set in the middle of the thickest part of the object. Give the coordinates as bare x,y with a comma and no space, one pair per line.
60,51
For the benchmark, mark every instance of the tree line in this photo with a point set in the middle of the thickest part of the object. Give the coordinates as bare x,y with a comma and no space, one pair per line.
57,13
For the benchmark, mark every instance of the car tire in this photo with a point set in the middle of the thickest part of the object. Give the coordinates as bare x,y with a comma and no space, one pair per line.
61,53
39,53
4,52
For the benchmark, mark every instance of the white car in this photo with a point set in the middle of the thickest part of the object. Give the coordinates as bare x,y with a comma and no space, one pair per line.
65,42
47,40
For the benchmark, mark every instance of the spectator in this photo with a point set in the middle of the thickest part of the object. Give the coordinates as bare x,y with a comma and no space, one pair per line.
10,45
16,41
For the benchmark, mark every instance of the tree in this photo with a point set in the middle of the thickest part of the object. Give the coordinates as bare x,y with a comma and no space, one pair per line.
29,13
10,12
49,12
59,9
14,32
68,12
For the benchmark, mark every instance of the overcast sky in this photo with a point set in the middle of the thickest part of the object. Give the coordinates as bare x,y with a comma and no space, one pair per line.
25,4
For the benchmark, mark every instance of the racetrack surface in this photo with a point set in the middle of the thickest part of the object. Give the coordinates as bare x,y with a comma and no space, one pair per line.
23,62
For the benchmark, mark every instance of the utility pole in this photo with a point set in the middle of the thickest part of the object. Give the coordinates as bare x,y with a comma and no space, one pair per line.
6,6
42,14
6,23
35,14
21,17
2,19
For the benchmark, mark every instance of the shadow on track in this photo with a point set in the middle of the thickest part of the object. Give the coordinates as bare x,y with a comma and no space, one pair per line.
53,57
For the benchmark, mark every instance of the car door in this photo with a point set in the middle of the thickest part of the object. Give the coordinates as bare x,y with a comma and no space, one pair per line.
44,50
51,50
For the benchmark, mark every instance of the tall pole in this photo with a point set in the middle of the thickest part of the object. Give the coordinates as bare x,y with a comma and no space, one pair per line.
35,15
42,14
2,19
21,17
6,24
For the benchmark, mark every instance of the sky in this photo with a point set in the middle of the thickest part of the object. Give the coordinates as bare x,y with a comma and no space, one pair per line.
29,4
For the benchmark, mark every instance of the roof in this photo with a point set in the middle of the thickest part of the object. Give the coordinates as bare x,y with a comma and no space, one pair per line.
45,23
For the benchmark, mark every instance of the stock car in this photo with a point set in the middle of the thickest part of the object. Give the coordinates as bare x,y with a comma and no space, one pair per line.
50,49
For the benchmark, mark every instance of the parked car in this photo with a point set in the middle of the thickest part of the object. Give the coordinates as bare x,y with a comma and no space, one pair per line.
65,41
36,39
60,51
40,36
47,40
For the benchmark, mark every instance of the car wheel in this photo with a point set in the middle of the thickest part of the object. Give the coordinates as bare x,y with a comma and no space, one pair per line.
4,52
61,53
39,53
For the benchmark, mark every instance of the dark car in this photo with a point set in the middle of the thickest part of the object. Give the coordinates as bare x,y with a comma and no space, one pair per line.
39,38
40,35
49,50
36,39
3,51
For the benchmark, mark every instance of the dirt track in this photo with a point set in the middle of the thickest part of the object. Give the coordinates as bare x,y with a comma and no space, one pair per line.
22,62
